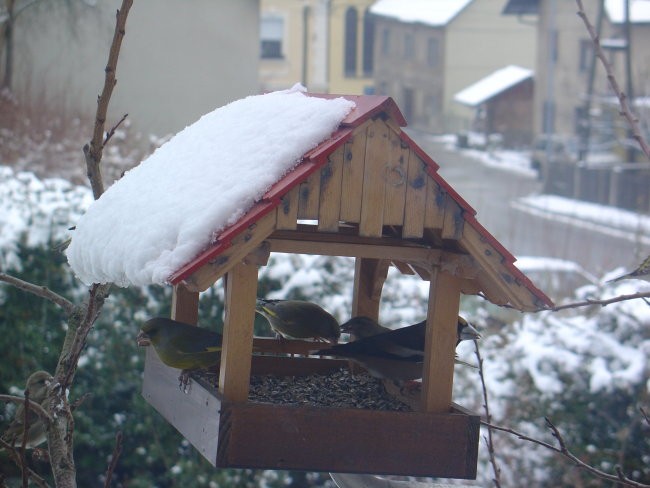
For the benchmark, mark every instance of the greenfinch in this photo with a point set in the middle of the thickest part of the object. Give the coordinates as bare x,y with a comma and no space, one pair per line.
642,272
298,319
392,354
180,345
36,387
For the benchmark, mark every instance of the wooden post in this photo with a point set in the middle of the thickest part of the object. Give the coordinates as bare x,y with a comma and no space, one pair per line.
185,305
440,342
234,373
369,277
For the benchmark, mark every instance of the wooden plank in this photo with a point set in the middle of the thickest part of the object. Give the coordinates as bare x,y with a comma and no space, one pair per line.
453,223
272,345
395,176
309,197
234,373
330,192
372,195
380,442
240,247
416,197
185,305
352,176
369,278
434,213
440,342
192,411
288,210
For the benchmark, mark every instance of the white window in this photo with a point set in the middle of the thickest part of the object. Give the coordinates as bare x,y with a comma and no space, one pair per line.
271,35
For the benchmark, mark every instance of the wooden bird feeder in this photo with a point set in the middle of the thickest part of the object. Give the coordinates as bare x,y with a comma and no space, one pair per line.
371,193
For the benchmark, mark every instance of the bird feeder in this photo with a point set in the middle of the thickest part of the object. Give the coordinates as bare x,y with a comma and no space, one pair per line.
368,192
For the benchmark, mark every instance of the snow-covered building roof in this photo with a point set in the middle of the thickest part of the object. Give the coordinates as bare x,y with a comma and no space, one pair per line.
430,12
492,85
291,170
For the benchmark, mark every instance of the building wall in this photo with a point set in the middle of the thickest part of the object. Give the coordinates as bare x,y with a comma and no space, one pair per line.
360,82
479,41
177,62
511,115
406,70
304,46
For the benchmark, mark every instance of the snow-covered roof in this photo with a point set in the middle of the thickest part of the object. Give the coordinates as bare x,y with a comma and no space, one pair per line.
492,85
639,11
165,211
430,12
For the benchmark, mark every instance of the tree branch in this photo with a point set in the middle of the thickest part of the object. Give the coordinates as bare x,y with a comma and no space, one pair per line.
604,302
32,405
117,452
94,149
41,291
567,454
626,111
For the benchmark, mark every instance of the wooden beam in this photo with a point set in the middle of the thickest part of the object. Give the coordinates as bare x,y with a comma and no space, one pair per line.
330,192
288,209
416,198
369,277
440,342
352,179
185,305
372,196
240,247
234,373
309,197
395,177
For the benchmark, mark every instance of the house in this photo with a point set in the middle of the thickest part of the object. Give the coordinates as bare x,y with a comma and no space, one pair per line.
426,52
366,191
327,45
564,60
503,102
176,61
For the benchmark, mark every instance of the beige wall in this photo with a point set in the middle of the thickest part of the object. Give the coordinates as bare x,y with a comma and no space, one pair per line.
479,41
177,63
338,82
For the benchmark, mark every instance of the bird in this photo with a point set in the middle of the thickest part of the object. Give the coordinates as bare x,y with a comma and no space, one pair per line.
298,319
36,388
640,273
180,345
392,354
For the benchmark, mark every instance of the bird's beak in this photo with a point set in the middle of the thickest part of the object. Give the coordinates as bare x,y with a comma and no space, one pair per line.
469,333
143,340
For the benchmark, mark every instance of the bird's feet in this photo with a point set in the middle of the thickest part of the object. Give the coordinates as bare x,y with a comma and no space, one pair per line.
184,381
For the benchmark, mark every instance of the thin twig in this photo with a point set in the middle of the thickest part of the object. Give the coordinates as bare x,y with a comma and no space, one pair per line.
111,132
41,291
566,453
117,452
93,150
603,302
626,111
23,442
488,417
32,405
645,415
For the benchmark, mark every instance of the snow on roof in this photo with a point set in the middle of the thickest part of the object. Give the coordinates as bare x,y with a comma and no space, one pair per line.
639,11
165,211
492,85
431,12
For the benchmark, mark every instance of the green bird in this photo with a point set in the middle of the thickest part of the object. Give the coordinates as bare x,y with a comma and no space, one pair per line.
180,345
390,354
36,387
642,272
298,319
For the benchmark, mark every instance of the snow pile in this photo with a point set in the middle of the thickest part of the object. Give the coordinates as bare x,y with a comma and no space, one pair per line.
36,212
165,211
492,85
416,11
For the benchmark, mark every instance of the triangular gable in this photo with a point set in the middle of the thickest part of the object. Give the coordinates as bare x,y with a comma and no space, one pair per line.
371,189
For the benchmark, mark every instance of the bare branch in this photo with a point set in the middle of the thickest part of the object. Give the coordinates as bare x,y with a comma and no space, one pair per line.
32,405
488,417
111,132
41,291
564,452
93,150
604,302
117,452
626,111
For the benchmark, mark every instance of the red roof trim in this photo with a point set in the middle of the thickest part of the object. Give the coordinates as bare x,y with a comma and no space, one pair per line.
367,106
224,240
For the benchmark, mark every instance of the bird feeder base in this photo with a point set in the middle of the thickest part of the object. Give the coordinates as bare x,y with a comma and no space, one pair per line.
269,436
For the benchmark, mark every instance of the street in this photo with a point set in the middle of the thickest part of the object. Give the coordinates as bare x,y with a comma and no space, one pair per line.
491,193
